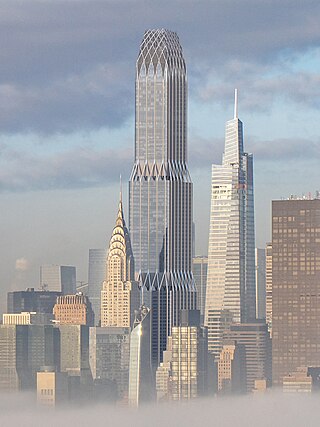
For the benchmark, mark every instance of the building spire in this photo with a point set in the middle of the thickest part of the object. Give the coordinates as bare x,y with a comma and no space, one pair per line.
235,103
120,199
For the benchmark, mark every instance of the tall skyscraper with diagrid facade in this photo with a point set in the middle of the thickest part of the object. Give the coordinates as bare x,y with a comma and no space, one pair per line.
231,254
160,188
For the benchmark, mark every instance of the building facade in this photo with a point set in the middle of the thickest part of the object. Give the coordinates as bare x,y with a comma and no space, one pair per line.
200,269
32,301
295,285
254,337
160,187
260,283
96,276
231,257
269,287
60,278
141,382
73,310
120,294
109,358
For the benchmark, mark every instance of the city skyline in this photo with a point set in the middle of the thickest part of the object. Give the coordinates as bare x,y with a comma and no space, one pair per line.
276,77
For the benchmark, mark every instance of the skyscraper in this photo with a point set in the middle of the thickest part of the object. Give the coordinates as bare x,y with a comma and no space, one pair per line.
61,278
231,257
269,287
160,187
200,270
96,276
295,286
73,310
119,295
260,283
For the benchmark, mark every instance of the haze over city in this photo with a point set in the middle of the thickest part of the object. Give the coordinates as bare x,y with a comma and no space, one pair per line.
67,115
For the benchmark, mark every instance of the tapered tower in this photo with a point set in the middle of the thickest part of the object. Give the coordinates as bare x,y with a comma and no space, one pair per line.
119,295
230,290
160,188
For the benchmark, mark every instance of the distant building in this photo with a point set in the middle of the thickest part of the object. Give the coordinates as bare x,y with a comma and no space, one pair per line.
199,269
96,276
260,257
295,286
218,323
14,372
74,352
23,350
27,318
73,310
141,384
32,301
254,337
189,357
52,387
109,359
269,287
297,382
232,369
183,374
119,295
60,278
164,375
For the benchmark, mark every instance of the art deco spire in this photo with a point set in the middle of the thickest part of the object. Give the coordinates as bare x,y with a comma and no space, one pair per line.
116,307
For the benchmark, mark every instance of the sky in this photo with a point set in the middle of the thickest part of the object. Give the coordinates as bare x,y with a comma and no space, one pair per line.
67,71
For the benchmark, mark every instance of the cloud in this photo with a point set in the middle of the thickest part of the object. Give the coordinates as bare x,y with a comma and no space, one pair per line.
75,168
22,264
274,409
69,65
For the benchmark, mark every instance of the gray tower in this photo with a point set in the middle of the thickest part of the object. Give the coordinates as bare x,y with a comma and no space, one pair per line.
160,188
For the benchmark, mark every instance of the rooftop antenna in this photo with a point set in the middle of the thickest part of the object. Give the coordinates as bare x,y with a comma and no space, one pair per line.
235,103
120,189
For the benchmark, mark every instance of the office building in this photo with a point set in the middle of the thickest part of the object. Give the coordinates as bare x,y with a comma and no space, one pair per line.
74,352
199,269
59,278
14,372
31,301
232,369
52,387
231,257
109,359
160,187
96,276
73,310
254,337
260,257
297,382
141,383
189,357
269,287
218,323
27,318
295,285
183,374
120,294
23,350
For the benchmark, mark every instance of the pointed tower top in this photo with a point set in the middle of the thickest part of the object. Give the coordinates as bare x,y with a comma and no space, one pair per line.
120,189
235,103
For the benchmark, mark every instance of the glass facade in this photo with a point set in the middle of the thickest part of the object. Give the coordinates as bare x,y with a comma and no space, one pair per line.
200,269
231,253
160,187
96,276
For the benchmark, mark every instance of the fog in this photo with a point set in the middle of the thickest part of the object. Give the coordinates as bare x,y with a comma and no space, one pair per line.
271,409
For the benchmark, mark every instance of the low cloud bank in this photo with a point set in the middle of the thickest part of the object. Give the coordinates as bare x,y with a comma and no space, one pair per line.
272,409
